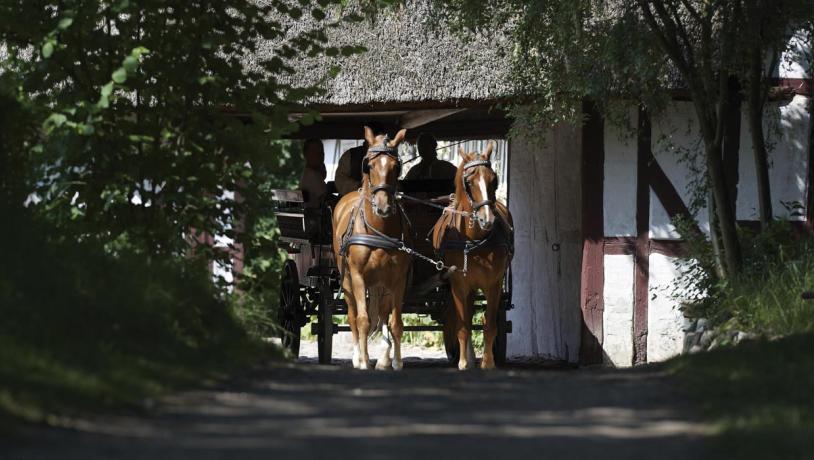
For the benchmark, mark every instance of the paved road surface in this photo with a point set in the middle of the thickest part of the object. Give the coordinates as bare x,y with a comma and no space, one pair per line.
429,410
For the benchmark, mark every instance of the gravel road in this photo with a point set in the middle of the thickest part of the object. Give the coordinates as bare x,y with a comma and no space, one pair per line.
429,410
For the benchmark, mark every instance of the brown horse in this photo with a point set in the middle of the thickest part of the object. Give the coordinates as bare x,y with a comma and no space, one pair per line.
475,233
368,229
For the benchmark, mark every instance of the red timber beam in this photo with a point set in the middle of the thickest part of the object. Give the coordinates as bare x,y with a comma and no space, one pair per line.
809,223
593,235
641,255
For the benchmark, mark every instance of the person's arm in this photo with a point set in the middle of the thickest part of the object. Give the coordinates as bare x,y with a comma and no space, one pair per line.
343,179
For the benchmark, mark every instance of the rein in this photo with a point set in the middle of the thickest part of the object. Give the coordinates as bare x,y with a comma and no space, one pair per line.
379,239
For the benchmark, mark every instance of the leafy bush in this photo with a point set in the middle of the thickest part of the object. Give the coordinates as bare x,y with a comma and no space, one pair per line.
765,296
84,329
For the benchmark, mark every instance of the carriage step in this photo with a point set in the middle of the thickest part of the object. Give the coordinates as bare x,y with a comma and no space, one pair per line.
346,328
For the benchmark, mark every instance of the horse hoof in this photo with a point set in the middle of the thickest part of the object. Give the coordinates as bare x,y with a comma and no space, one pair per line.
398,365
364,365
487,365
382,365
463,365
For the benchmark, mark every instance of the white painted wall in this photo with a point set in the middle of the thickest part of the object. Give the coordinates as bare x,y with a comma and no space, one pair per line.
545,193
787,125
795,61
675,137
620,177
617,318
665,321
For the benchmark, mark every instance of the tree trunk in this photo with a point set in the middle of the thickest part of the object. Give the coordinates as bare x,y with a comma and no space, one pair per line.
715,237
724,212
755,101
764,193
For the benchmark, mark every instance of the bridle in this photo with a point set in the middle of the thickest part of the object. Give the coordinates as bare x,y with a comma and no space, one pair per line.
372,154
469,170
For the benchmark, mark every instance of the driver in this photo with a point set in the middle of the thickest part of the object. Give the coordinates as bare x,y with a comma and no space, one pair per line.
430,167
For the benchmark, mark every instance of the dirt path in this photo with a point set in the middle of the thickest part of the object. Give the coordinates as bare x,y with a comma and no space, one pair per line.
429,410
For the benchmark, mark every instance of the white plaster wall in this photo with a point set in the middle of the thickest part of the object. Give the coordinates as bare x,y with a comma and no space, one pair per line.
795,61
617,318
620,177
787,126
678,149
545,193
665,321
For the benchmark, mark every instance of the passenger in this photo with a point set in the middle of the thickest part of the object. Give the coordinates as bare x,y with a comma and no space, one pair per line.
348,176
312,181
430,167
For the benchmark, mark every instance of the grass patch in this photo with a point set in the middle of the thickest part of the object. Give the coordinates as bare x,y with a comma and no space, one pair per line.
83,331
758,393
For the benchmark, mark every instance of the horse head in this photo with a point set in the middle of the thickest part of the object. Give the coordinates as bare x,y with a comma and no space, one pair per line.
478,182
381,169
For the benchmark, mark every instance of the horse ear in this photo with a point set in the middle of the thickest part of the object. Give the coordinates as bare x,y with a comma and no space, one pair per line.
461,152
398,139
370,138
487,152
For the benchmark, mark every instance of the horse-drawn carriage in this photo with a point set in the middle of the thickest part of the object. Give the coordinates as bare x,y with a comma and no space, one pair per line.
312,293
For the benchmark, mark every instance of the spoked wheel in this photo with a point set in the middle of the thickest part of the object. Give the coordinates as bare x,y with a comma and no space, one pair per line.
499,346
291,313
325,325
503,328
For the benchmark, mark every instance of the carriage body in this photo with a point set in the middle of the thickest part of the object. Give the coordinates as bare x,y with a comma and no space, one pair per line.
310,279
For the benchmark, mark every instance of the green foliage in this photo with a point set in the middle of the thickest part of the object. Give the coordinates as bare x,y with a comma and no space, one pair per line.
82,329
128,130
765,297
151,113
567,51
758,395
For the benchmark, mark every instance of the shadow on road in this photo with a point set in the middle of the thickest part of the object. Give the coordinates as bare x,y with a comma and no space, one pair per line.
429,410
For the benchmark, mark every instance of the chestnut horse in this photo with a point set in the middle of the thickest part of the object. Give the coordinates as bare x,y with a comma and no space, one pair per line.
369,229
476,233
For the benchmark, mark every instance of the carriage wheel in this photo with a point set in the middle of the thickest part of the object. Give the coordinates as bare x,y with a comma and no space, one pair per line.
499,347
502,338
325,333
290,312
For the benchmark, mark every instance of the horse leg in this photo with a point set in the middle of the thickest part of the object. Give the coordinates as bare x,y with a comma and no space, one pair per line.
490,326
350,301
463,310
362,319
381,301
397,326
384,360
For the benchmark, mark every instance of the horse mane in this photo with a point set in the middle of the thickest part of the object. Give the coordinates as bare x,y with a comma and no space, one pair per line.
451,220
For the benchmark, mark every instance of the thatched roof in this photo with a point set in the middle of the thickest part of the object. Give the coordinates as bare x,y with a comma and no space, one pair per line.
409,59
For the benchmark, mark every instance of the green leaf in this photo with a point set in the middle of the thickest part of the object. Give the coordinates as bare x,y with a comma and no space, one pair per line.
64,23
121,6
55,120
107,90
139,51
48,49
318,14
130,64
120,75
